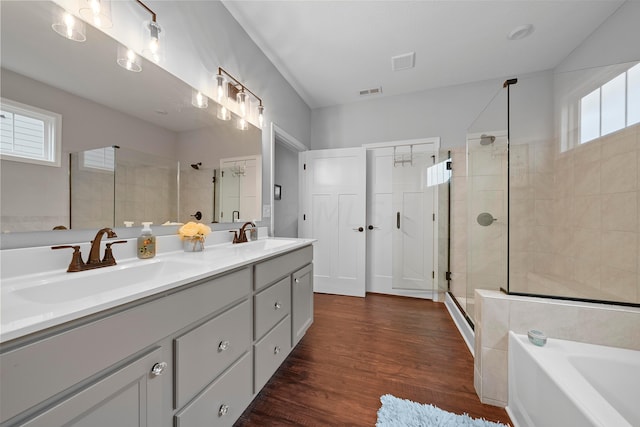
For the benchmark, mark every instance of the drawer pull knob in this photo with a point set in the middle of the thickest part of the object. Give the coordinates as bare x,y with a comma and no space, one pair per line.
277,306
223,410
296,280
276,350
158,369
224,345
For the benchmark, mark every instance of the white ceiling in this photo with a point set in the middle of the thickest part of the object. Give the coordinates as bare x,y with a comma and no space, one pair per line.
331,50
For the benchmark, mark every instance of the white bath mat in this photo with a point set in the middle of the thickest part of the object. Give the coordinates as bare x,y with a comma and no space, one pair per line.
397,412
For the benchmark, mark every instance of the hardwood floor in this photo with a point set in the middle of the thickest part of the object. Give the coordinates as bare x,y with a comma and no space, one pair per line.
361,348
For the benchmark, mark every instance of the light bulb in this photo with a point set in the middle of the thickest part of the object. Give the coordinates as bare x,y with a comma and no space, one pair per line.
69,22
199,100
68,26
220,92
242,101
223,113
243,124
260,115
128,59
97,12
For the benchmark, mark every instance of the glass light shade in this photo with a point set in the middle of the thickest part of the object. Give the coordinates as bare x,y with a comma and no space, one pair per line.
223,113
69,27
260,115
241,97
199,100
96,12
220,92
243,124
154,41
128,59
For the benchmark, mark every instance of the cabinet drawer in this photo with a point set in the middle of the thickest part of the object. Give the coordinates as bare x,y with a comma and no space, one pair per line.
271,351
222,403
202,354
271,305
273,269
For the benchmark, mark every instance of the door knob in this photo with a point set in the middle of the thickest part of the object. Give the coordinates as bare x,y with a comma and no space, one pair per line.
373,227
360,229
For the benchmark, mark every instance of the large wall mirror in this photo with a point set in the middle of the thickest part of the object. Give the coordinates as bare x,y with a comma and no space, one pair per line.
174,160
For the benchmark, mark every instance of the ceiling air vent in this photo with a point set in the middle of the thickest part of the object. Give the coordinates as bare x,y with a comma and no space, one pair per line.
403,62
374,91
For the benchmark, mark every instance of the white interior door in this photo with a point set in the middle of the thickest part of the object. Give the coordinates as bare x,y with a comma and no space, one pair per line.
334,214
400,226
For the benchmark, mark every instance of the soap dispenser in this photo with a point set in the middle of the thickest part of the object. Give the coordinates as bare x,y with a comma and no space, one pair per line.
146,242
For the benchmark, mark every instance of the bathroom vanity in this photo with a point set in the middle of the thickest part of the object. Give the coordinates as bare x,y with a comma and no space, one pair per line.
193,352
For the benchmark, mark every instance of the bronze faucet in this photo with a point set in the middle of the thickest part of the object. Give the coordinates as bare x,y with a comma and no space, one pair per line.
242,236
94,261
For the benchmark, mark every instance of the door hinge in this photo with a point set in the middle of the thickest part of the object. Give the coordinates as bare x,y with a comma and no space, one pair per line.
449,165
447,275
434,216
304,217
222,174
304,166
433,274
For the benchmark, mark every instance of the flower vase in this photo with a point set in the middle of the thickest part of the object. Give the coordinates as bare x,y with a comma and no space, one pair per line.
193,244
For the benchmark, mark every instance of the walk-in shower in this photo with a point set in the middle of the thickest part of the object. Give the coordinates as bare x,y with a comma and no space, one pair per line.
548,203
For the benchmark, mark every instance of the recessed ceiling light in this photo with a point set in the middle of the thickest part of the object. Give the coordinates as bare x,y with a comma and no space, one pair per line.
520,32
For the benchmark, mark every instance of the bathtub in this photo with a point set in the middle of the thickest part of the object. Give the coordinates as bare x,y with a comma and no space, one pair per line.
567,383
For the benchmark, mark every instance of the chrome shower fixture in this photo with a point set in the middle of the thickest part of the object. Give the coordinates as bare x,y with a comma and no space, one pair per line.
196,166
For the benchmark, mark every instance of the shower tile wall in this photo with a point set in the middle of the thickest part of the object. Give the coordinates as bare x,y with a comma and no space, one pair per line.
196,194
575,224
145,193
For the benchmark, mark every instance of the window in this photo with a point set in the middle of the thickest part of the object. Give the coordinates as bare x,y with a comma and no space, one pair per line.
611,107
102,159
29,134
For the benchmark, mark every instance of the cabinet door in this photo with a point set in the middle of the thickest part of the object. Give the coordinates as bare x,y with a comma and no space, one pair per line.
129,397
302,306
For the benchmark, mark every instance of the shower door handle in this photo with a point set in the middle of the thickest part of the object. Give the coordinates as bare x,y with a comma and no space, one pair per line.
398,220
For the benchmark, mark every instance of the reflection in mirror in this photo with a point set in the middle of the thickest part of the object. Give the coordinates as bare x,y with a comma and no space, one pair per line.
147,112
122,187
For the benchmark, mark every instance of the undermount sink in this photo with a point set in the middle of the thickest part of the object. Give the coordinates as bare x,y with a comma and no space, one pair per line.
74,286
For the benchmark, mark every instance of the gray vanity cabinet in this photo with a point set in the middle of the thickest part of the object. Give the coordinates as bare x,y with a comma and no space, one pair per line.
192,356
302,303
130,396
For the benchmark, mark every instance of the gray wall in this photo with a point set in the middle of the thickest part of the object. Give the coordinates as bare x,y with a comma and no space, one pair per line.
445,112
285,211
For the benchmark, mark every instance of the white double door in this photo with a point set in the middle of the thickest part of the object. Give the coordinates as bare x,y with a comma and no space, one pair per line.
373,226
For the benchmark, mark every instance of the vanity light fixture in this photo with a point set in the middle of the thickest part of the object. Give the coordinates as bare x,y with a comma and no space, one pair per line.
128,59
68,26
235,89
96,12
199,100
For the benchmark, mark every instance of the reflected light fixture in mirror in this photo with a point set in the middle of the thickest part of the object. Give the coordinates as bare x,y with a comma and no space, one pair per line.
68,26
223,113
96,12
128,59
199,100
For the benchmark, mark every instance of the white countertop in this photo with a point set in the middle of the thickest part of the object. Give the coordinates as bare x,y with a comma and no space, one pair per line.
36,301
